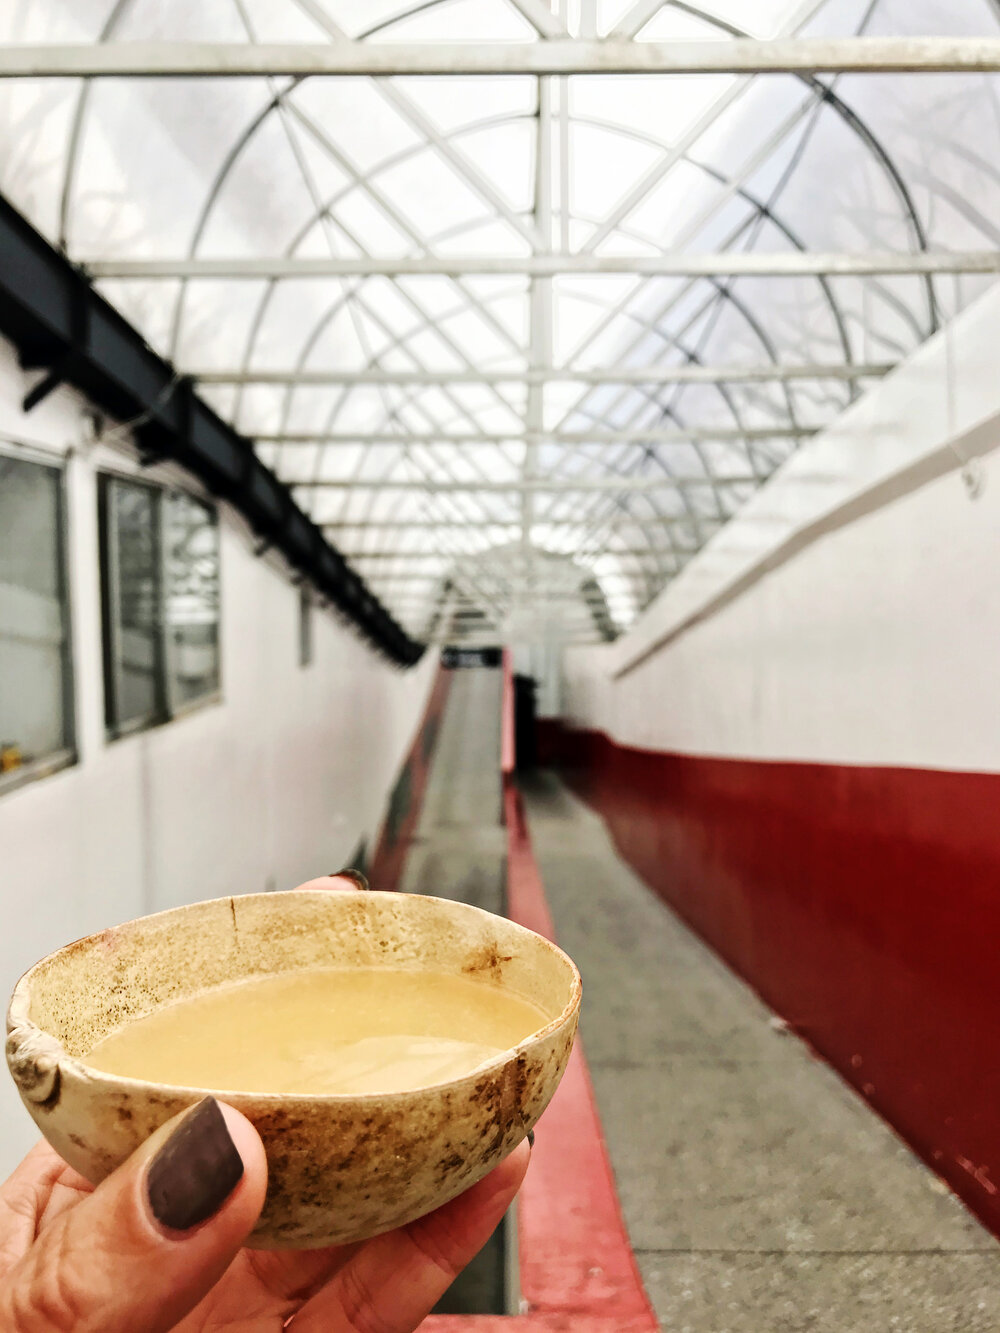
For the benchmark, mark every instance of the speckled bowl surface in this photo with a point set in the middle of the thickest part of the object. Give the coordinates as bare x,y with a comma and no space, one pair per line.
341,1168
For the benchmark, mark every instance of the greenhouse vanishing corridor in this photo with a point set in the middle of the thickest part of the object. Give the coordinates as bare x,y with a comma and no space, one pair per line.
499,623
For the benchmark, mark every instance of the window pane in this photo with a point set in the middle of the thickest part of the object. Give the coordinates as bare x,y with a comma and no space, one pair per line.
191,590
34,671
132,603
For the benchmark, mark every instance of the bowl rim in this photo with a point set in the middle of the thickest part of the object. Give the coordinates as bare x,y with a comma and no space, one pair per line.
18,1020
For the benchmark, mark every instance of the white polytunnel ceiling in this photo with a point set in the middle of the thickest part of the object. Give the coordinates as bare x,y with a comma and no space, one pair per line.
536,440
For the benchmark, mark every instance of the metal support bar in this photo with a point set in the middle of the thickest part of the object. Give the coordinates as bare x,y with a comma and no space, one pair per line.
649,375
421,586
569,596
630,436
578,592
479,560
571,610
560,56
50,381
468,639
534,485
670,264
551,636
389,577
485,619
647,563
419,525
479,524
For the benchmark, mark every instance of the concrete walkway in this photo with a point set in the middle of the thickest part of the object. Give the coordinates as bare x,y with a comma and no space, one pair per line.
761,1195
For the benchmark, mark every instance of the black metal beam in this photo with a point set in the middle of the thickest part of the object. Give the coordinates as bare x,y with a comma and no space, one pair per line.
61,325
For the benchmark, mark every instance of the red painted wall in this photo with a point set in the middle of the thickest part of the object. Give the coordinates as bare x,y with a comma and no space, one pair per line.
862,903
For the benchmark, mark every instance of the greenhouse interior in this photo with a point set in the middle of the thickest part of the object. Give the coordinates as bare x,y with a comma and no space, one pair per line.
537,456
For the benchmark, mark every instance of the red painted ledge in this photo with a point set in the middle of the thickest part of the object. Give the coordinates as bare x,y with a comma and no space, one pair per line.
578,1272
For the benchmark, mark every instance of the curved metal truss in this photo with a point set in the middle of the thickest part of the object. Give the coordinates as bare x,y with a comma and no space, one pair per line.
519,345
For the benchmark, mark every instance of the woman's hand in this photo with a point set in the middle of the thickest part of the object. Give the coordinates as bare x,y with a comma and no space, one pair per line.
158,1244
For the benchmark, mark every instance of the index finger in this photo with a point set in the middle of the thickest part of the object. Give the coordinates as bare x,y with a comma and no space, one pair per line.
340,881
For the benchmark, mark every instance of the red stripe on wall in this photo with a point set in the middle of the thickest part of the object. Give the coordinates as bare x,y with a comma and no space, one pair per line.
862,903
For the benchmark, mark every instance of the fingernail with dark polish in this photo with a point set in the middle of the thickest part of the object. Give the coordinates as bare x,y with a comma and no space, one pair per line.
195,1171
356,875
531,1138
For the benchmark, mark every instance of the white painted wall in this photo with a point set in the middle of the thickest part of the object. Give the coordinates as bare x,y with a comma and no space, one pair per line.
275,784
852,613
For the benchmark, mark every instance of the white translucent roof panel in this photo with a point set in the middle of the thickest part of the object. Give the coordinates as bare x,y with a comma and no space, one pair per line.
465,436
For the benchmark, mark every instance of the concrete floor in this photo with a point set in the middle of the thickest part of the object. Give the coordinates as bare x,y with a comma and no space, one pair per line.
761,1195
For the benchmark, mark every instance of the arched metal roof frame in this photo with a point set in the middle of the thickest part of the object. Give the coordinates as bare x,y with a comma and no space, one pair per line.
399,341
725,294
827,94
387,164
541,517
355,300
640,396
663,311
645,453
278,98
366,181
598,505
359,181
712,307
408,397
274,103
726,288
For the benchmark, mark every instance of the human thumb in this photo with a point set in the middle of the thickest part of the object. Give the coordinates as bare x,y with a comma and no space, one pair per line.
153,1238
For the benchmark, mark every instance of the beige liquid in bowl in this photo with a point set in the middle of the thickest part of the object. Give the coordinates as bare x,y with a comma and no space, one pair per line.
323,1032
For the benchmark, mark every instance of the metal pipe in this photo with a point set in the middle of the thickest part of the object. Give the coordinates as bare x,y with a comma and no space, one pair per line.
362,525
559,56
669,264
663,435
516,486
648,375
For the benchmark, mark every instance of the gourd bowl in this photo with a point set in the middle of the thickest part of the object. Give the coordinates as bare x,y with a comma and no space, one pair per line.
340,1168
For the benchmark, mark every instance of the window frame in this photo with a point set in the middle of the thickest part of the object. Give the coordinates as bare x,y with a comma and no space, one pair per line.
166,708
66,755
